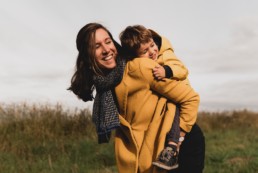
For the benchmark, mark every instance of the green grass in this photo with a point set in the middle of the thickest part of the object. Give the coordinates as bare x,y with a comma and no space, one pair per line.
231,141
49,139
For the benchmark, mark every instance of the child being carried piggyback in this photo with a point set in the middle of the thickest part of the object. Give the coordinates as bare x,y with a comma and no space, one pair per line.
141,42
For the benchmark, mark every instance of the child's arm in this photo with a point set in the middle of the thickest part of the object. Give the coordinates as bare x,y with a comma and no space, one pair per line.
167,57
161,72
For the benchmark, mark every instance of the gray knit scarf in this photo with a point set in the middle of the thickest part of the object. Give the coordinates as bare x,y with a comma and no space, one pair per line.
105,111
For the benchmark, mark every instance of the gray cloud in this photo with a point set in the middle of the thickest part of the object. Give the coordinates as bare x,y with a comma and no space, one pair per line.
38,53
237,56
237,94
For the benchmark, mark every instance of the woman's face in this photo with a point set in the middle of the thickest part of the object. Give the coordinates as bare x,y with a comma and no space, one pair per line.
106,51
148,50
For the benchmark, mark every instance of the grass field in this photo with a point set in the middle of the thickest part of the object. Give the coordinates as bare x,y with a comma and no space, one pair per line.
49,139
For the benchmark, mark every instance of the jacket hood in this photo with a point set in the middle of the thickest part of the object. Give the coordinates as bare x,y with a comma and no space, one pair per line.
157,38
162,43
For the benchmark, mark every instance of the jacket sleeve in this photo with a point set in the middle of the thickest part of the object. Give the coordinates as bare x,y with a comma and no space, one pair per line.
179,92
168,57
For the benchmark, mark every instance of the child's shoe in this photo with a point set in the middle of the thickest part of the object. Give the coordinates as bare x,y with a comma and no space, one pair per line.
168,159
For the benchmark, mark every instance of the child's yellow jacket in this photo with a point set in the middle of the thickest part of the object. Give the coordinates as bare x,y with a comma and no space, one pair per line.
167,57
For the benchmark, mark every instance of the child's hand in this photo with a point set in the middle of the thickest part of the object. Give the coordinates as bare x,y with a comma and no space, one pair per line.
159,72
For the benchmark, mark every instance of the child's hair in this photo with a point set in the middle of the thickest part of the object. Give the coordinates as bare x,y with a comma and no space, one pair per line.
132,38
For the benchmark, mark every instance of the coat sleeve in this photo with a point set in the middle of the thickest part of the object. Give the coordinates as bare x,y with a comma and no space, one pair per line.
179,92
168,57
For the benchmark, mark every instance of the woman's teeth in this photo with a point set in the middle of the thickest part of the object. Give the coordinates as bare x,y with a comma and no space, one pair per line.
108,58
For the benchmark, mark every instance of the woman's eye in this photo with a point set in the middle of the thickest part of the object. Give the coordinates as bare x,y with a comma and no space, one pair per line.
108,42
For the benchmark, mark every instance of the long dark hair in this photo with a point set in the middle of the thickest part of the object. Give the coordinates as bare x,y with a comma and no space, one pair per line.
82,80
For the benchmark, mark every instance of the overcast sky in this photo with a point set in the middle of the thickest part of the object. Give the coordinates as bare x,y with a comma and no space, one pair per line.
217,41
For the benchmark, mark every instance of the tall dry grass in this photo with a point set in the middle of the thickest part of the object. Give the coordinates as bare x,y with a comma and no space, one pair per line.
39,123
46,138
50,139
226,120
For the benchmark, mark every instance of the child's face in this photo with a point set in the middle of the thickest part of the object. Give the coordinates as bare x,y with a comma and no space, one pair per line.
148,50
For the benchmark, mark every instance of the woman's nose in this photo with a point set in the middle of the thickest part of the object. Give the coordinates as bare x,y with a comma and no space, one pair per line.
105,49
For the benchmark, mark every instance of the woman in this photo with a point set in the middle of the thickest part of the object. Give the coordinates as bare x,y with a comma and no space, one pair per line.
128,99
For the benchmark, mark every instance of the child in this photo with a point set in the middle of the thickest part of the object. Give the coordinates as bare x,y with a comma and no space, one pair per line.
138,41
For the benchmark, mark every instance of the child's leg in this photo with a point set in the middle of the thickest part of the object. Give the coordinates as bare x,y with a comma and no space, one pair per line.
174,133
168,157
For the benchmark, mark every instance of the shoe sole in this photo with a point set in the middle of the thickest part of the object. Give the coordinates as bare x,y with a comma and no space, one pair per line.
164,166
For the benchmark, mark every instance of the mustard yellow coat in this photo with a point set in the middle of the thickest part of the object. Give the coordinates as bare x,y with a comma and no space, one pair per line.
145,117
167,57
